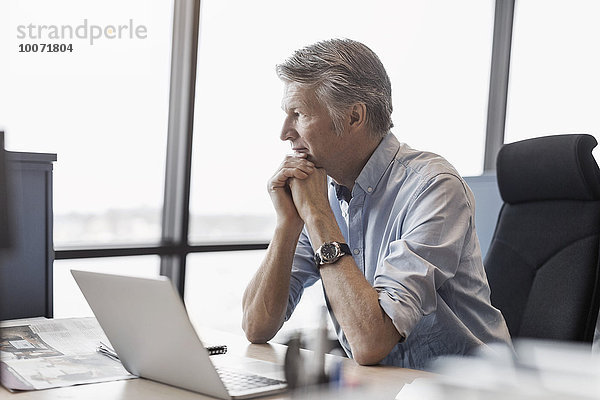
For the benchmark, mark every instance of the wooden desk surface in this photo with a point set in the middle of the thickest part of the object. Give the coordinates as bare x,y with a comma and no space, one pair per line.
385,381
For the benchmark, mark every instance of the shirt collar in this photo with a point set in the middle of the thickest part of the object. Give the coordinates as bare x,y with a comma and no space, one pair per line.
373,170
379,162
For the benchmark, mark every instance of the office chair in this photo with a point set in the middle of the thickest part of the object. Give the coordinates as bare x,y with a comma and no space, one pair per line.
543,261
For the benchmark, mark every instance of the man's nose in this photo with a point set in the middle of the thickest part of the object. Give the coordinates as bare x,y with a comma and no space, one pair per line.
288,132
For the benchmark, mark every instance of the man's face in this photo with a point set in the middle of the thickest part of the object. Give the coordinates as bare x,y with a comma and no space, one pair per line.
308,126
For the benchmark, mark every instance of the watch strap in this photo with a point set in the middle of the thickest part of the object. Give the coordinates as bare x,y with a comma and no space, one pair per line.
345,249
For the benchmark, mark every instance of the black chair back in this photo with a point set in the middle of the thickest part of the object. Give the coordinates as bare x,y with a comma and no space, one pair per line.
543,262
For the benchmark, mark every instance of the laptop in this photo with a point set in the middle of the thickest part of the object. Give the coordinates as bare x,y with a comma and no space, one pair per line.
146,322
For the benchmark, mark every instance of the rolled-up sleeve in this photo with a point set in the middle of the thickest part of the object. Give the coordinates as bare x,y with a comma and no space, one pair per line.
304,272
425,251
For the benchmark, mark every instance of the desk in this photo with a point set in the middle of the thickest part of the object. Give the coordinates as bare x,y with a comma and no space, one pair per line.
387,380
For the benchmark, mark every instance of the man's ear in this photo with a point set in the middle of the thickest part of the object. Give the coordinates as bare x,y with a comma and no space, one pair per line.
358,115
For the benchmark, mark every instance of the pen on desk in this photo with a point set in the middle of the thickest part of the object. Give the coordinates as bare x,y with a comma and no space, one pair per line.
110,353
107,351
214,350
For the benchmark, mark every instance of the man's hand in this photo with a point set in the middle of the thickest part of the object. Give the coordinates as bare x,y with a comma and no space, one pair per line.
310,194
266,297
293,167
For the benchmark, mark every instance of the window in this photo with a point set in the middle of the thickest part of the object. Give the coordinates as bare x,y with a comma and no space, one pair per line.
68,299
102,107
554,82
437,54
215,284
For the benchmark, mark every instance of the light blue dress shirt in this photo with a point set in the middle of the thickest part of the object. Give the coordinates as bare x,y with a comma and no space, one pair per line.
410,226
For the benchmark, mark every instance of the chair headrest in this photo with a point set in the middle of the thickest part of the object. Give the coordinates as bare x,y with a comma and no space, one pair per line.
558,167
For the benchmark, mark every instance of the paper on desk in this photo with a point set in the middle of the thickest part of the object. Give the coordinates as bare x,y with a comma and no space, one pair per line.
48,353
419,389
536,370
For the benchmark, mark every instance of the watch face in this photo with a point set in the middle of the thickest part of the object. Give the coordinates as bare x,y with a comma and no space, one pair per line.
329,252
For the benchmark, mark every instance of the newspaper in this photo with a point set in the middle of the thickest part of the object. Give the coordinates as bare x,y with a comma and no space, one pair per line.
47,353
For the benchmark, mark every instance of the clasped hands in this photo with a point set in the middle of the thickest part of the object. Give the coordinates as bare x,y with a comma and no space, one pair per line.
298,189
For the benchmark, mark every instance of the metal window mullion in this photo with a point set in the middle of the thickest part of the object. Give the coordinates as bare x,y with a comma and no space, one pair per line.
175,222
144,250
499,74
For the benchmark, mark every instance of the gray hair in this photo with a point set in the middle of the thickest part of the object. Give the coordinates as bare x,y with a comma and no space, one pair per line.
343,72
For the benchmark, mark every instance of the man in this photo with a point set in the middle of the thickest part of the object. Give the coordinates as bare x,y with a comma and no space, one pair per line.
389,230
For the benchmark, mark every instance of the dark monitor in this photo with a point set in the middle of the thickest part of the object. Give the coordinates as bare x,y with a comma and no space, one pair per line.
4,213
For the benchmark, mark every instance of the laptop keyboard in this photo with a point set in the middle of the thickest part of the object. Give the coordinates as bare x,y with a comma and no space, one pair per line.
235,381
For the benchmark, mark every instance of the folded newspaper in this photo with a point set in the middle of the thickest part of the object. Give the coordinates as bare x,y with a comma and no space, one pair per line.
47,353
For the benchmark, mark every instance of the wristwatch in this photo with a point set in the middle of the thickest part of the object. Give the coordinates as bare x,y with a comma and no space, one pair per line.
330,252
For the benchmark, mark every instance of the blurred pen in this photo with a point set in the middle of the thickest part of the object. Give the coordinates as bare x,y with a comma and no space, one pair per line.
107,351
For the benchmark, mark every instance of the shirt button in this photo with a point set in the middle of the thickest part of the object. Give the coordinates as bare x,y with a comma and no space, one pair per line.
369,189
356,251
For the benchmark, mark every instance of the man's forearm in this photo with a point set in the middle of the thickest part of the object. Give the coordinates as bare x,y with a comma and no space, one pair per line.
354,301
266,297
